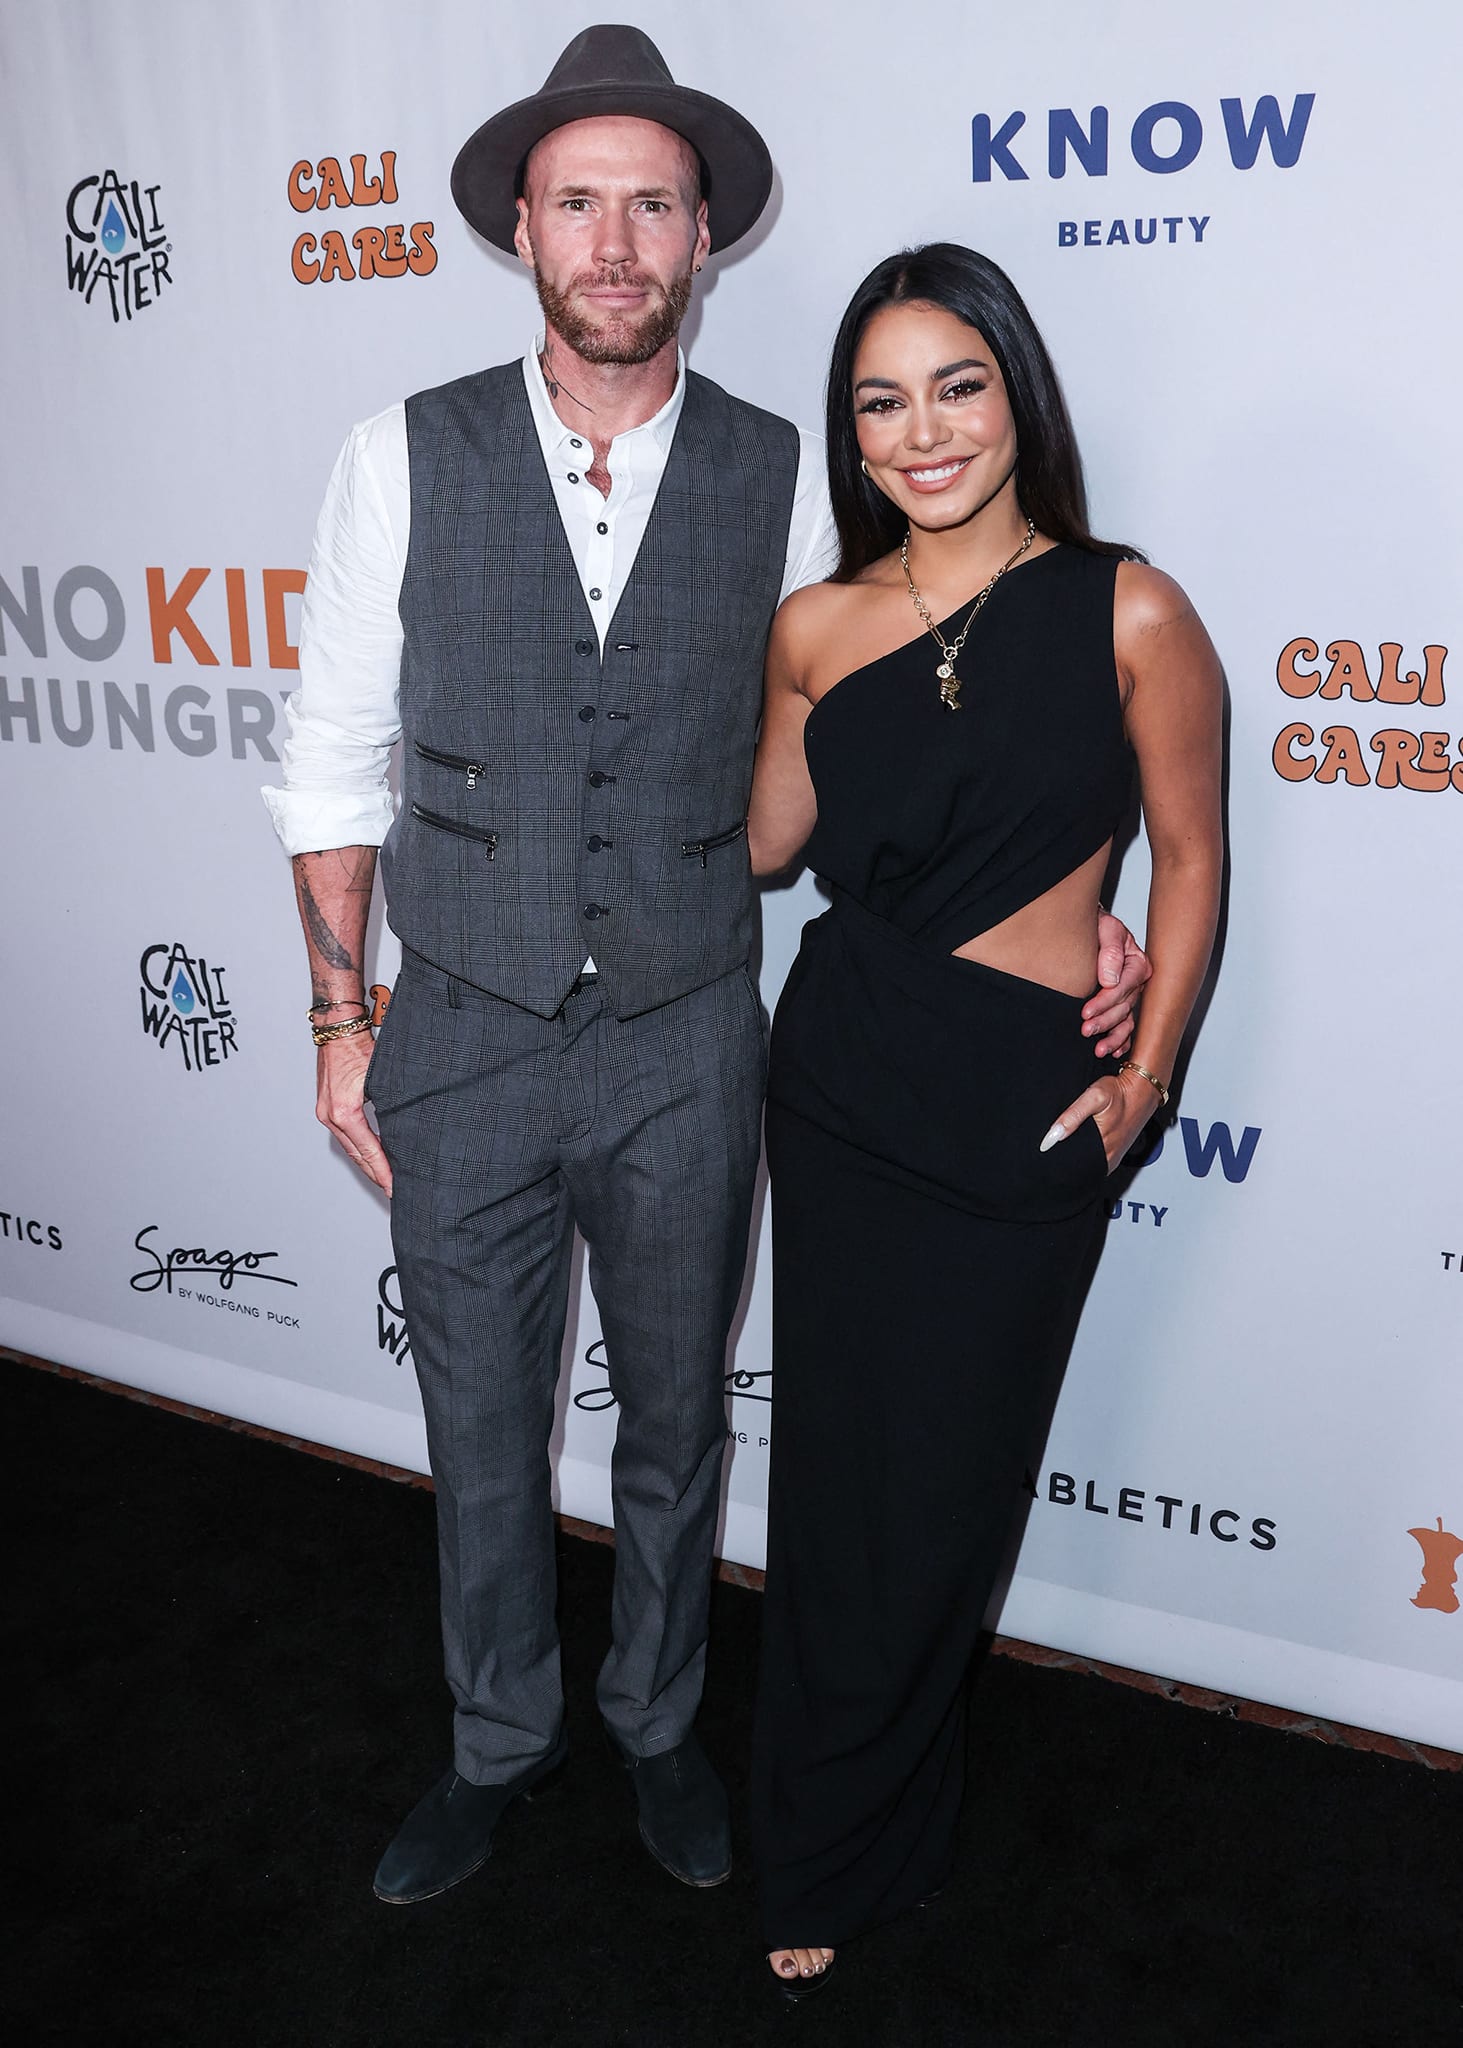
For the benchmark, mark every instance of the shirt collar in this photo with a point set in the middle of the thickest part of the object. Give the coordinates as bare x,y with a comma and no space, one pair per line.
553,435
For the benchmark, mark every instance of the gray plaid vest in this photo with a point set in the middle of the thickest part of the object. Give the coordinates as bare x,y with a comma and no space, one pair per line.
556,801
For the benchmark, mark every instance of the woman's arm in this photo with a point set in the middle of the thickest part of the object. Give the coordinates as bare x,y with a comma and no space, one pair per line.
783,808
1173,698
1173,719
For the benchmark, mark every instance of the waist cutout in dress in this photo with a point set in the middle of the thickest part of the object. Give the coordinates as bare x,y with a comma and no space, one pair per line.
945,1072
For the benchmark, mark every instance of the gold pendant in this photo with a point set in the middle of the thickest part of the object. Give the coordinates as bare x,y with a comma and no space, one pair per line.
949,686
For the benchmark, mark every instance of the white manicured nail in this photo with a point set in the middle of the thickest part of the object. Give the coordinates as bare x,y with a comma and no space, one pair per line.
1053,1137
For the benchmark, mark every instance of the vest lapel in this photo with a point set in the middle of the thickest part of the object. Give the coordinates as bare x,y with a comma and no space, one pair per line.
671,511
522,457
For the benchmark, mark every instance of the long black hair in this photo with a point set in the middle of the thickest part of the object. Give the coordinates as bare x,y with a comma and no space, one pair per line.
1049,485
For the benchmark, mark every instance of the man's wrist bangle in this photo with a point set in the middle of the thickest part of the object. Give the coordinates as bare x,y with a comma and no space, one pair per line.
323,1033
339,1003
1132,1066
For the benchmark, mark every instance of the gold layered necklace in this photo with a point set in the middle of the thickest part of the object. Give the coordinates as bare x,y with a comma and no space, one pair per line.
949,649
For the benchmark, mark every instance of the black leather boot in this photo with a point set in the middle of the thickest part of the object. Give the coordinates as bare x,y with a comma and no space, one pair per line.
449,1834
683,1812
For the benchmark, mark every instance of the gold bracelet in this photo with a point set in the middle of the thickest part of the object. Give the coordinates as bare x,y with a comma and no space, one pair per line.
341,1003
1152,1079
323,1033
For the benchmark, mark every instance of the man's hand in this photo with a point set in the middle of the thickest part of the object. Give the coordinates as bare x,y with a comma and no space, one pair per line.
340,1103
1123,968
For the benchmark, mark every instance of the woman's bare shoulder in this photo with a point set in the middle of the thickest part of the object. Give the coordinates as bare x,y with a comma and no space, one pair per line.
819,611
1158,636
1147,599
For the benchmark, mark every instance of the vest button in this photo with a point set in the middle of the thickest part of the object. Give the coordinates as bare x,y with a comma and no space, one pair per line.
584,647
586,714
597,778
595,843
595,910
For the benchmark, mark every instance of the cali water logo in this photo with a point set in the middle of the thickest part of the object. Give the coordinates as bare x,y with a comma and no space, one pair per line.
392,1333
184,1005
115,237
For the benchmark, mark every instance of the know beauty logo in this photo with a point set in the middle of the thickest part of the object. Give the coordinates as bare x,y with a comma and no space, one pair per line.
1258,132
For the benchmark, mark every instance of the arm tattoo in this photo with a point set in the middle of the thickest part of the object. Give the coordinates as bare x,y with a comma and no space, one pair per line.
331,951
358,867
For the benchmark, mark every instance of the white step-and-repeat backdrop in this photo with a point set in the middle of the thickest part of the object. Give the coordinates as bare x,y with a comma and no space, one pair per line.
228,235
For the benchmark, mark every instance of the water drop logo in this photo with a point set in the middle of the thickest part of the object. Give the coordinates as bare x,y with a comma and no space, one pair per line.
185,1009
117,246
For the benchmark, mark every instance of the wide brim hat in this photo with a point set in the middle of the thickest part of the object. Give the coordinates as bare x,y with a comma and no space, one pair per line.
610,69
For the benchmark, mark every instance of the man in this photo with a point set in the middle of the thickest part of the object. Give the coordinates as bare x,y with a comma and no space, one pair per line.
553,581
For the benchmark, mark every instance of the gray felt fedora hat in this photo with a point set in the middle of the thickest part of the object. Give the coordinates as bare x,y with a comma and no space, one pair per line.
610,69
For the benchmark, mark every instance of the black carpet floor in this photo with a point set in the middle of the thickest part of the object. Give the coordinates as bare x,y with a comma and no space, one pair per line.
225,1654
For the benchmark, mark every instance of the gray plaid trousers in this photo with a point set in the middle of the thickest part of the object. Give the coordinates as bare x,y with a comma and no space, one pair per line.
505,1130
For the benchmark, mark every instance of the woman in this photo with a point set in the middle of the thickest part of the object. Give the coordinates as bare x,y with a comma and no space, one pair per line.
949,736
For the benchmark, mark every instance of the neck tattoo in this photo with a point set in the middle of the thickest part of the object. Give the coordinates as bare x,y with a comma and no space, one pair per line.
555,388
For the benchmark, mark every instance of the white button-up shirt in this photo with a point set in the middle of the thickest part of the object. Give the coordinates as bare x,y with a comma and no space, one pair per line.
343,720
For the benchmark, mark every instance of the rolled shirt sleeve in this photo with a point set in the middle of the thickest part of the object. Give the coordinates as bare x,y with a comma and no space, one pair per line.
812,538
343,720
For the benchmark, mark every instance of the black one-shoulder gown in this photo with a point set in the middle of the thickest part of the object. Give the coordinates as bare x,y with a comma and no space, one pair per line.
929,1260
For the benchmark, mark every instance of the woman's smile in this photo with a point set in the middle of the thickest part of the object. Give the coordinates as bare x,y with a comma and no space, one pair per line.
935,477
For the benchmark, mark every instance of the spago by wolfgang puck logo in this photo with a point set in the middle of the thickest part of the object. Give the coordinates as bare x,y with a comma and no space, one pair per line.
117,246
740,1383
212,1277
184,1008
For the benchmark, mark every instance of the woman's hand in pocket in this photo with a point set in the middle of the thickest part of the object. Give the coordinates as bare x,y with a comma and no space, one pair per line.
1119,1104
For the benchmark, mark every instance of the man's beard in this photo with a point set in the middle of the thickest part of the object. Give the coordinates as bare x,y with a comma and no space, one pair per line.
616,338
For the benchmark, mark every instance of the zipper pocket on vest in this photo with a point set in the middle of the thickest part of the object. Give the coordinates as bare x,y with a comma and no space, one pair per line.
697,849
487,839
472,769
